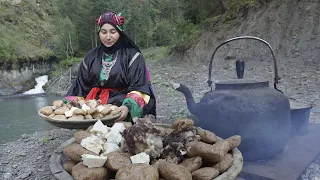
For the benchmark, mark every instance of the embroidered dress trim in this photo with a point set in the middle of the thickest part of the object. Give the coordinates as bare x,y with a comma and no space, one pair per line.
107,64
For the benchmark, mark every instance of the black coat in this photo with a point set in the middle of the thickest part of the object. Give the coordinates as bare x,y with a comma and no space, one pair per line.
127,74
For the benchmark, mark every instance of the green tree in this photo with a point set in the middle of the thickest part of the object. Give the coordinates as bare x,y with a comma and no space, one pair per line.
5,51
66,39
164,33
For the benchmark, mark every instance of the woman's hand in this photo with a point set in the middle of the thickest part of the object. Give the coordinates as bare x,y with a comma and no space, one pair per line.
124,112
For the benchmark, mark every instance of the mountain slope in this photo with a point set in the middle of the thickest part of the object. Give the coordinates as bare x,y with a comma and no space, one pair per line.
26,32
292,27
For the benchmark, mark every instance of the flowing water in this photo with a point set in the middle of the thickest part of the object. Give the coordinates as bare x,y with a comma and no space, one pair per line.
19,113
41,81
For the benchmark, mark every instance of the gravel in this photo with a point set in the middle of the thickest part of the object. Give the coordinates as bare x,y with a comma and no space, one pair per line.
28,157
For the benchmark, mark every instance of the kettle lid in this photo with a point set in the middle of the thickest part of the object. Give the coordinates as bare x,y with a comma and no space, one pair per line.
241,84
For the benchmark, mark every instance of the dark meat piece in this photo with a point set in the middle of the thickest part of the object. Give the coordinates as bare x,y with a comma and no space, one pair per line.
75,104
182,125
174,145
143,136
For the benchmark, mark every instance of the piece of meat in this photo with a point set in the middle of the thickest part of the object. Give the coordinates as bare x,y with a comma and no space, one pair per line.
143,136
174,145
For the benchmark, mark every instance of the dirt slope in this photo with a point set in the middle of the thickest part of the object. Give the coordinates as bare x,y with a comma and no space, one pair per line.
292,28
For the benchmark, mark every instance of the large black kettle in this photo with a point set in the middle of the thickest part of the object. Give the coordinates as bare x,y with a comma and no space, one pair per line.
250,108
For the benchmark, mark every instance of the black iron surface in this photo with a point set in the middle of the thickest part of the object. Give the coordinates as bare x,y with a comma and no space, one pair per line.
240,64
253,110
290,164
241,84
300,121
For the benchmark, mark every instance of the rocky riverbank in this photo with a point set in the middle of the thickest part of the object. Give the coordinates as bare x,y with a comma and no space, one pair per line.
28,157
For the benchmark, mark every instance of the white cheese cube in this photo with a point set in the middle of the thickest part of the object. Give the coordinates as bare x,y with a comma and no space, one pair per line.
100,129
73,108
85,107
114,137
92,143
92,161
104,154
100,108
140,158
110,147
68,113
118,127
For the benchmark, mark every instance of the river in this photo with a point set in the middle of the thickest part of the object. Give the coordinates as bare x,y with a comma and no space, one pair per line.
19,113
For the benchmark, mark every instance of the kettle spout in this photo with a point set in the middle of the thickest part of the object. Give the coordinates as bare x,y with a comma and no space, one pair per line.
192,106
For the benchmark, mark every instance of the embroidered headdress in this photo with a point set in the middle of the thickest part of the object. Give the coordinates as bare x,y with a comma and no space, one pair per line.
111,17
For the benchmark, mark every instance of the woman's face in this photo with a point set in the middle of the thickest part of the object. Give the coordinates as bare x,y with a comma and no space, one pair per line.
108,35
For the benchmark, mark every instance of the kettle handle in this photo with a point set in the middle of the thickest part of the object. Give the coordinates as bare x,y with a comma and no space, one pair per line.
276,77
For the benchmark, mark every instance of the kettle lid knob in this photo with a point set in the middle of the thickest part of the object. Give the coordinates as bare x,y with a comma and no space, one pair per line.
240,68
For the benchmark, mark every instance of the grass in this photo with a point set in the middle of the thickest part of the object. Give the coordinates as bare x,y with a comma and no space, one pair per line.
183,113
24,35
156,53
46,138
190,32
63,65
187,34
26,31
238,8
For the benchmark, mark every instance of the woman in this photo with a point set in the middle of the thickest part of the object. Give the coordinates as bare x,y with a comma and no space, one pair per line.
115,72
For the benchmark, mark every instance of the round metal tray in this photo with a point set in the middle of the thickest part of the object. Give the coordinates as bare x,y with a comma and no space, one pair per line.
58,159
79,124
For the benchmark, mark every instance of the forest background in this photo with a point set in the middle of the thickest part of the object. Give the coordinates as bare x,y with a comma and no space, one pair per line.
63,31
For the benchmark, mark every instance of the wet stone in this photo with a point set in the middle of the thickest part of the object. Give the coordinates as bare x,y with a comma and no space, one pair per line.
24,136
39,157
21,153
24,175
7,175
